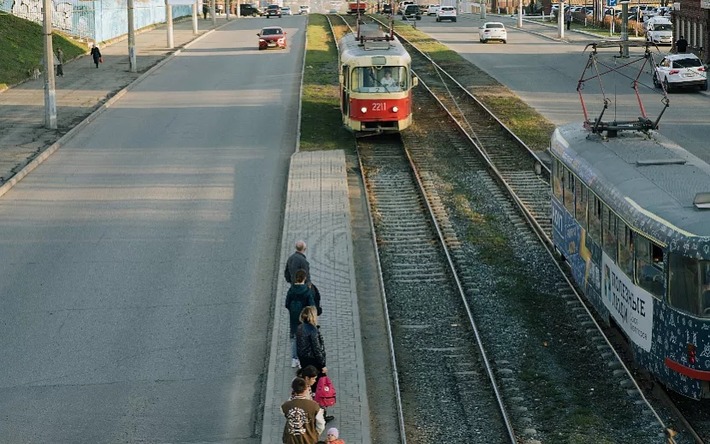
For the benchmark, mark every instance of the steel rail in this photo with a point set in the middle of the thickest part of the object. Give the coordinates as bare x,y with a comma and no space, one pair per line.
390,339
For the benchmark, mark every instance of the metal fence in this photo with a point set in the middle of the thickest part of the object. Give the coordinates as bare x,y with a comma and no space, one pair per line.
94,20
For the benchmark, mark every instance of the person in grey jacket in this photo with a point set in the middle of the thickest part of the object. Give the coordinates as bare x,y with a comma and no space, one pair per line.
297,261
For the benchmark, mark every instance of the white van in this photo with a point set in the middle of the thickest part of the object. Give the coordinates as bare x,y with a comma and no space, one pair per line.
659,30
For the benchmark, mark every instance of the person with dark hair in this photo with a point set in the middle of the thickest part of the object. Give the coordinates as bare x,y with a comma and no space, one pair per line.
297,261
304,417
681,45
568,18
59,62
205,9
96,55
298,297
310,375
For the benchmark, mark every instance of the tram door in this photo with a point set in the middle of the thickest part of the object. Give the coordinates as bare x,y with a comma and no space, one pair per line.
344,96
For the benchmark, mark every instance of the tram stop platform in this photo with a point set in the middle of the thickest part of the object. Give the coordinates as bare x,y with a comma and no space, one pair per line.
318,212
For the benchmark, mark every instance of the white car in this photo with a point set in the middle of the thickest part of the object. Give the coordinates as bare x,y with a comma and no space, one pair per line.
492,31
680,70
446,13
286,10
431,9
304,9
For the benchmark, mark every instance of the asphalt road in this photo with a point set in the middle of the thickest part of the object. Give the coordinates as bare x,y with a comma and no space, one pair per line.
139,260
544,72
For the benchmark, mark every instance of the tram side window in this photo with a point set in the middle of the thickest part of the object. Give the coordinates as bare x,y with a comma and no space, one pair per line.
649,266
609,220
705,288
626,249
569,191
595,218
684,286
557,171
581,204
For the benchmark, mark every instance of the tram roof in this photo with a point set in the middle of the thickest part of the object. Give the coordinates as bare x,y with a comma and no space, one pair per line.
646,178
350,48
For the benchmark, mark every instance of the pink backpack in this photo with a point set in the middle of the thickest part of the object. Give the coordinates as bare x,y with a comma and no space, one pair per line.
325,392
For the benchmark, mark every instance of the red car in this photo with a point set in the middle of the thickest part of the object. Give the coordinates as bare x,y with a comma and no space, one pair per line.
272,37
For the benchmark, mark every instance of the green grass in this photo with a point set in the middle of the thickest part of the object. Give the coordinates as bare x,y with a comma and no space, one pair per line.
321,124
22,48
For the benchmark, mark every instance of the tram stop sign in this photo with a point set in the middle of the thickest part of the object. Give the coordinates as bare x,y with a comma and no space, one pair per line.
611,2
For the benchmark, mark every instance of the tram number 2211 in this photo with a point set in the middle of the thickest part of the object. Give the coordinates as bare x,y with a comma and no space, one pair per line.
379,106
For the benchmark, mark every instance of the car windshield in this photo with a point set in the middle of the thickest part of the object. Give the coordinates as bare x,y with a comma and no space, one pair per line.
271,31
273,7
663,27
686,63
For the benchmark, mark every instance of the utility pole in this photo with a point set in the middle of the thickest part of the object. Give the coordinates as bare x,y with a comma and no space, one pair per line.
561,20
483,8
227,4
625,29
195,12
213,11
132,67
520,13
50,97
169,20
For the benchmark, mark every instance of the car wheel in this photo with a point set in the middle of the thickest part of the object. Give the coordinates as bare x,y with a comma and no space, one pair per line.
438,20
667,85
656,83
481,40
505,41
454,20
704,87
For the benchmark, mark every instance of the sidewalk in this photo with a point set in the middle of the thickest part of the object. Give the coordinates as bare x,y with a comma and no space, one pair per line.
81,91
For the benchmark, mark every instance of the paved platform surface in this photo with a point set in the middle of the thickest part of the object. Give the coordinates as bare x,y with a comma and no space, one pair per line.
317,211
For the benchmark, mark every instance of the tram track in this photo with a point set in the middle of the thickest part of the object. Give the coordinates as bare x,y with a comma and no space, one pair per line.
521,179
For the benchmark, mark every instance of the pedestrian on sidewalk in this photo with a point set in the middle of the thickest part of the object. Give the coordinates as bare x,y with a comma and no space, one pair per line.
297,261
681,45
205,9
298,297
304,417
96,55
310,375
59,62
568,18
309,345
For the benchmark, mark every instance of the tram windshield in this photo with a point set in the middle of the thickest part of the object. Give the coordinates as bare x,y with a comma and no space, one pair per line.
689,288
371,79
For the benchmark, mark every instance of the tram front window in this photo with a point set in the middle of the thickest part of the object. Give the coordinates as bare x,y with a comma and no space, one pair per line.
689,285
649,266
379,79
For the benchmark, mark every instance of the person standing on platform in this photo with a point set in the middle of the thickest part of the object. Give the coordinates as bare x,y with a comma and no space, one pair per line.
205,10
297,261
304,417
681,45
309,345
298,297
568,18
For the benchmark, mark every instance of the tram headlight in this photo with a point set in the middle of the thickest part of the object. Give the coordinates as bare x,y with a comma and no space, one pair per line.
363,110
395,109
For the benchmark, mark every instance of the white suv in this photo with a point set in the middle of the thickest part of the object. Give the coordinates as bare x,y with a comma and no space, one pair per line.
680,70
304,9
446,13
431,9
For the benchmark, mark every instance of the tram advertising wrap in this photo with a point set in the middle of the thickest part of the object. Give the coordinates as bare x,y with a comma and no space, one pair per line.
630,306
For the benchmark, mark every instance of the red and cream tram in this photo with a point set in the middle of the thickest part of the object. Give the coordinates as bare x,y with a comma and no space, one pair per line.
357,7
375,81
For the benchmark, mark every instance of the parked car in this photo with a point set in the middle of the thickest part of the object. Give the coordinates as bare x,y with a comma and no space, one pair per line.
402,5
386,8
492,31
412,12
446,13
680,71
272,37
304,9
247,9
273,11
431,9
286,10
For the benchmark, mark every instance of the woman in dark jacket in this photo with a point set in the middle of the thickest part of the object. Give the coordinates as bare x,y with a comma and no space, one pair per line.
310,348
96,55
298,297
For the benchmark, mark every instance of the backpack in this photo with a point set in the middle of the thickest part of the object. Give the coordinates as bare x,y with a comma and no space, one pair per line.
325,392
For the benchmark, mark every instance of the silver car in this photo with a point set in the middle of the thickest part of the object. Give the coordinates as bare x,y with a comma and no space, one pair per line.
492,31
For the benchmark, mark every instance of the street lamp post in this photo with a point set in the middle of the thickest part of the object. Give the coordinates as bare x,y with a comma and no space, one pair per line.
50,97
